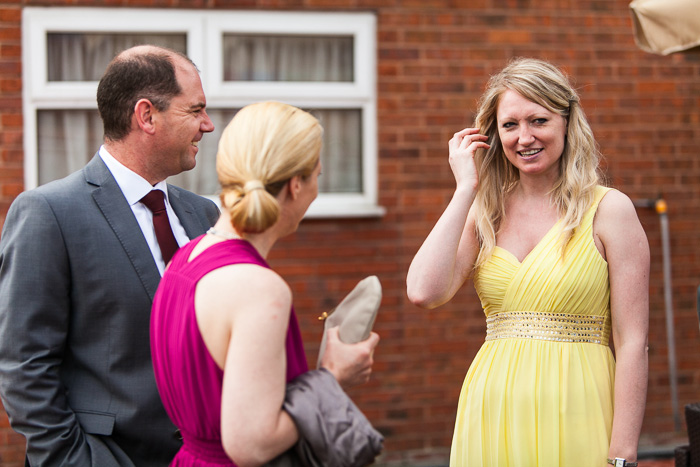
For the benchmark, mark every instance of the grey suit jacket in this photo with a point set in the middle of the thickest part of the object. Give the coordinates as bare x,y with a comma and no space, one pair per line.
76,285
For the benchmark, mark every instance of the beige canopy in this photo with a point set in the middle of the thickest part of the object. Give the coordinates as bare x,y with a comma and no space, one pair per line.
666,26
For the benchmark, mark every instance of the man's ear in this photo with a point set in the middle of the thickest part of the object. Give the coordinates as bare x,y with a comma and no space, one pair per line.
294,186
143,114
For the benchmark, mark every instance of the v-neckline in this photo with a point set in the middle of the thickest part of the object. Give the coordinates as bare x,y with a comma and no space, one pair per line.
537,245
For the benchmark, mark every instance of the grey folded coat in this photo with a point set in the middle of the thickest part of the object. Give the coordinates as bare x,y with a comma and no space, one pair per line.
333,432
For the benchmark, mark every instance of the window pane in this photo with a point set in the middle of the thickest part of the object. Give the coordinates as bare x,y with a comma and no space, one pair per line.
288,58
203,179
84,57
341,155
67,140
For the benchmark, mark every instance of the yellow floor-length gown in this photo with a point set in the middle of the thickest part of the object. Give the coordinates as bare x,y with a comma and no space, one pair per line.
540,390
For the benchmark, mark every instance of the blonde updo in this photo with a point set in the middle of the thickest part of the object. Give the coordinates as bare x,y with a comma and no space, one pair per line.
260,150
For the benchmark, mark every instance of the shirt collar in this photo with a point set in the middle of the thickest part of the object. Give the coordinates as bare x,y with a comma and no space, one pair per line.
133,186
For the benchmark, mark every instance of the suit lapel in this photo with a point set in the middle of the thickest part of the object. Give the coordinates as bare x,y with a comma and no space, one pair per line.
185,213
118,214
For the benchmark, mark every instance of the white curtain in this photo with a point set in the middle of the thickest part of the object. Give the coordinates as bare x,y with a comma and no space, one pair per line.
203,179
84,57
68,138
307,59
341,155
288,58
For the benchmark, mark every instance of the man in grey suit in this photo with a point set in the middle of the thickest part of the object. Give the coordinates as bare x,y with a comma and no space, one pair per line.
79,264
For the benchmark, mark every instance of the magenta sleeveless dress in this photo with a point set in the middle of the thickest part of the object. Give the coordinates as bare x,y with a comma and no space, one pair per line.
188,378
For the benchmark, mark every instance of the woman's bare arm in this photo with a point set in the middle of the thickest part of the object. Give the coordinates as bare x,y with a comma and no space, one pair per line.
627,252
447,255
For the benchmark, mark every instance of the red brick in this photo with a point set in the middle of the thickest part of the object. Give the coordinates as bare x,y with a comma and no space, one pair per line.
11,120
8,65
509,37
10,85
656,87
10,15
11,137
10,50
11,103
11,189
13,34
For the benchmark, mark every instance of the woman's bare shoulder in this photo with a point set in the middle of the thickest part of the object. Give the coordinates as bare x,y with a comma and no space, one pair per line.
618,227
245,285
615,208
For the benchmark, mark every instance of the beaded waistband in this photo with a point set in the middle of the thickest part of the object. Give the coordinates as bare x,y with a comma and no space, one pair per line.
559,327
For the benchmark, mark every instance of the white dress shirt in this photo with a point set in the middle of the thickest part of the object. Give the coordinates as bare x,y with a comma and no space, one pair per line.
134,187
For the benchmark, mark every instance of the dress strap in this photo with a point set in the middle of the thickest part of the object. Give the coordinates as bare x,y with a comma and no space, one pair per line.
598,195
226,253
180,257
587,221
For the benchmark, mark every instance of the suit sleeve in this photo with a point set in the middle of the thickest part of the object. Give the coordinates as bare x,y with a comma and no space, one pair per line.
206,210
212,213
35,284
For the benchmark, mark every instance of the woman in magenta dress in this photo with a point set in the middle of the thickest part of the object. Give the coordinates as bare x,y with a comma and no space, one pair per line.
224,335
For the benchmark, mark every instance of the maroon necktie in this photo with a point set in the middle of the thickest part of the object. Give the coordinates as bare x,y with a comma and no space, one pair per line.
155,201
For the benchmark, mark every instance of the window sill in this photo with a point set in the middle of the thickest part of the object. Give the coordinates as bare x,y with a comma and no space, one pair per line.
320,210
332,209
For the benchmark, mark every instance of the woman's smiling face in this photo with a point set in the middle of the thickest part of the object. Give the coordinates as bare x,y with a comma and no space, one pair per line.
533,138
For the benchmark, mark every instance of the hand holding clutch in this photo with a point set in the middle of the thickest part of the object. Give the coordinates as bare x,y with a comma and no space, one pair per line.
355,314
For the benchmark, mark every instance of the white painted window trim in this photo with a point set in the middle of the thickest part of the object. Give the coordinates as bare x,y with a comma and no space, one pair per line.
205,29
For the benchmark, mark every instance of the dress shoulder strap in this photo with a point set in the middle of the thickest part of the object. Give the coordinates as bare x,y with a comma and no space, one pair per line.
181,255
598,195
223,254
599,192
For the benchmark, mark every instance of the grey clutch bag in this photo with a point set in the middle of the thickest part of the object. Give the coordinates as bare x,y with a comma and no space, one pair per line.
355,314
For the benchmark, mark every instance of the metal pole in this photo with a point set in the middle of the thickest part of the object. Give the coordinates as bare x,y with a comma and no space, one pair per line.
668,300
660,206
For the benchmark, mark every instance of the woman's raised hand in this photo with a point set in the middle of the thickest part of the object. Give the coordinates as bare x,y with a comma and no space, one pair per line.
463,146
447,255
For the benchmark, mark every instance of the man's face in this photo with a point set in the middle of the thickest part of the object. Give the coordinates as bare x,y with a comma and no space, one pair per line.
183,124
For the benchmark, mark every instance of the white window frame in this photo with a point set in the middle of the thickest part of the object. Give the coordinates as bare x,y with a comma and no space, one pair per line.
205,30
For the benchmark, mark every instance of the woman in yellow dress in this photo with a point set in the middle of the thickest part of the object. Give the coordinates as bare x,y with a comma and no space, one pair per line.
560,264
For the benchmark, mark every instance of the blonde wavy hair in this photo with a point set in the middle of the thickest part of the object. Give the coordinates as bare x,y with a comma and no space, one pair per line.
572,194
260,150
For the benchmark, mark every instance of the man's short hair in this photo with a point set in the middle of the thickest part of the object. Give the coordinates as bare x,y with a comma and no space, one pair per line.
131,77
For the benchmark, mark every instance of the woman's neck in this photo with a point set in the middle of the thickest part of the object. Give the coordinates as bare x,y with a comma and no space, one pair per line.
263,242
530,186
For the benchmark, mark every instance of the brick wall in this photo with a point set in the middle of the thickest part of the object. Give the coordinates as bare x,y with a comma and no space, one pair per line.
433,60
11,174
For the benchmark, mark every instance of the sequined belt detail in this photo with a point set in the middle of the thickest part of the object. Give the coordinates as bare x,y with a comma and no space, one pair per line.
559,327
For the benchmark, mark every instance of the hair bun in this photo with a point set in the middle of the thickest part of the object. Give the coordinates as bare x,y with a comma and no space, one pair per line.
262,148
251,185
